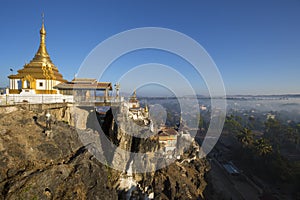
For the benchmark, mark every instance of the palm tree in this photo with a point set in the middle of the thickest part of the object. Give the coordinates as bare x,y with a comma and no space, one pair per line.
263,147
245,137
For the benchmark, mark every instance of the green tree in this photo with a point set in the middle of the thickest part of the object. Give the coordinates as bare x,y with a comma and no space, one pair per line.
272,127
232,124
262,147
245,137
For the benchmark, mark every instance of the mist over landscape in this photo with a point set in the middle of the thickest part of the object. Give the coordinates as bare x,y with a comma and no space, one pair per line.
150,100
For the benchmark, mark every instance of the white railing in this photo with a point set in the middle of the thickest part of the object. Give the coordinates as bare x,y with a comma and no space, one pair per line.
12,99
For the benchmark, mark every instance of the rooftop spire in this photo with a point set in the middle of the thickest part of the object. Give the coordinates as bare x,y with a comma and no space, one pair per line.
134,93
43,31
41,66
42,54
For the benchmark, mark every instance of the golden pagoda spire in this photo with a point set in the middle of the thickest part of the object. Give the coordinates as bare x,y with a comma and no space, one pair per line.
134,93
43,31
42,54
41,66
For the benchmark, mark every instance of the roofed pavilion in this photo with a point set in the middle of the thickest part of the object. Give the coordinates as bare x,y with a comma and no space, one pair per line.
86,89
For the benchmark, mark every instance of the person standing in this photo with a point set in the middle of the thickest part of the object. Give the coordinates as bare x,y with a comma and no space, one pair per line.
48,120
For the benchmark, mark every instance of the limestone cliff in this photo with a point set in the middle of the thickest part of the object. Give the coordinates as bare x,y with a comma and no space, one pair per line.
35,164
183,179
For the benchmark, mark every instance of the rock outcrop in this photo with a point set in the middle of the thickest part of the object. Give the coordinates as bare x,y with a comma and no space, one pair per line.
36,163
184,178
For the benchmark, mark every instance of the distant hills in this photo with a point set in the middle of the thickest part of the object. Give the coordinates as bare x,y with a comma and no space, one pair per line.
239,97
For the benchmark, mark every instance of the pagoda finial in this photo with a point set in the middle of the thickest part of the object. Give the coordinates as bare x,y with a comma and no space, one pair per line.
42,50
43,17
42,54
43,31
134,93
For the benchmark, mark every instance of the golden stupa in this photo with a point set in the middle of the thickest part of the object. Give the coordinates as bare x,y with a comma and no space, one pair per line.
40,75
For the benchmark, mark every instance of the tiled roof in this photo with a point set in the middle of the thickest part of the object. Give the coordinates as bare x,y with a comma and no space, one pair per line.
84,80
89,84
167,131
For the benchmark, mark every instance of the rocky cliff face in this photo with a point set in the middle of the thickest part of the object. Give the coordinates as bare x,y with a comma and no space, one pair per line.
35,164
183,179
57,166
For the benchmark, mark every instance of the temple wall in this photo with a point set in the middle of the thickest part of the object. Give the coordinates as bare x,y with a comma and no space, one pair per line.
15,84
40,84
33,99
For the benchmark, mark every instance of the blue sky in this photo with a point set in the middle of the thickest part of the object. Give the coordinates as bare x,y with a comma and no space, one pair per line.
255,44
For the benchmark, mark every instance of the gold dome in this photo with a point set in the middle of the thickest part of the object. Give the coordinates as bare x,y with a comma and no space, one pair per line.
41,66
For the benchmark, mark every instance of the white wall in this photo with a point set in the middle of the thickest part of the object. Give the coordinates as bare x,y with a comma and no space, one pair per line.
35,98
14,83
37,83
47,84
